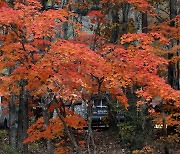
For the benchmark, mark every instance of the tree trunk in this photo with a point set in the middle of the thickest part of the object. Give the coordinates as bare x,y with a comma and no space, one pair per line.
43,2
173,10
115,30
178,70
25,121
46,117
166,150
125,9
12,122
22,119
65,30
171,70
20,127
90,137
171,66
144,22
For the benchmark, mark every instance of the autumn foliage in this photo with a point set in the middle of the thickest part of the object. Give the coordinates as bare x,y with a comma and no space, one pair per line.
71,70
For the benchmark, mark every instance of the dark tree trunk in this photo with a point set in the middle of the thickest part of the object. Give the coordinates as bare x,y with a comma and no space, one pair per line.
144,22
171,67
25,122
65,30
171,70
43,2
12,122
173,10
90,137
125,11
46,117
19,130
11,3
166,149
178,70
22,119
115,30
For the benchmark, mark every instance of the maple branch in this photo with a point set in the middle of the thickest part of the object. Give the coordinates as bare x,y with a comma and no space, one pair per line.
22,41
164,11
97,31
159,18
68,131
61,117
99,81
90,133
110,51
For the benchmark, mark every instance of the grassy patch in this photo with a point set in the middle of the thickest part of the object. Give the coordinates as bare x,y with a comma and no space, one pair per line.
4,147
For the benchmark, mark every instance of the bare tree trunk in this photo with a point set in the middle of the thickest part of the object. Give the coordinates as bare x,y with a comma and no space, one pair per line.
46,117
173,13
90,138
144,22
171,66
22,118
43,2
115,30
25,121
12,122
125,11
166,150
11,2
20,127
178,69
173,10
65,30
96,33
171,69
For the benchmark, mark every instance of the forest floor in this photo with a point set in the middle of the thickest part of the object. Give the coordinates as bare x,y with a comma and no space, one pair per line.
107,142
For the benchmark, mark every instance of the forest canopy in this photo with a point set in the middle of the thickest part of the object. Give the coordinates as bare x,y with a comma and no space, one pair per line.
54,53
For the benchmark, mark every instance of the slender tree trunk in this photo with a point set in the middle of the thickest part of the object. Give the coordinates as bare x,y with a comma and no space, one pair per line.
11,2
178,69
12,122
90,137
171,71
65,30
173,13
22,119
125,11
43,2
20,127
144,22
173,10
171,66
115,30
25,121
46,117
166,149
